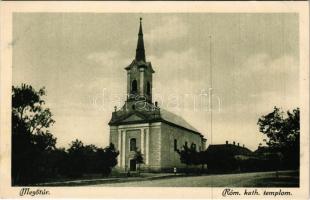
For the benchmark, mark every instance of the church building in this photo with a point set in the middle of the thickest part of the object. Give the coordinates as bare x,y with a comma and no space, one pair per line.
142,125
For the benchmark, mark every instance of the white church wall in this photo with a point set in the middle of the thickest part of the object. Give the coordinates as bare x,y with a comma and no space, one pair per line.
154,147
169,157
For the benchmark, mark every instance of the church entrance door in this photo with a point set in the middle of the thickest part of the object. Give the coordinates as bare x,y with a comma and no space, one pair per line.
133,165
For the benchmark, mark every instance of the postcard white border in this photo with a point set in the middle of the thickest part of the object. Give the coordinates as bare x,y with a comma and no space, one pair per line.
7,9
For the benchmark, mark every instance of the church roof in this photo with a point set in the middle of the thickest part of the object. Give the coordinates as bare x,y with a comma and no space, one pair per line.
140,60
175,119
140,52
139,64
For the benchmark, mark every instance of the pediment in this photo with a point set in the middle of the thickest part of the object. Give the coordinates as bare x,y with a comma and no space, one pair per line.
133,117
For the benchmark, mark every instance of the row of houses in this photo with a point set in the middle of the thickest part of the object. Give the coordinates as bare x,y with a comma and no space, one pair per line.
233,157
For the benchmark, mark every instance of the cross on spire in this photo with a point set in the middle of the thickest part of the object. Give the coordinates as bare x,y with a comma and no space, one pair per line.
140,52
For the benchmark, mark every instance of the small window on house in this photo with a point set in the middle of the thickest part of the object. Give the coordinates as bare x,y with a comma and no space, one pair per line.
186,144
148,88
175,145
134,86
132,144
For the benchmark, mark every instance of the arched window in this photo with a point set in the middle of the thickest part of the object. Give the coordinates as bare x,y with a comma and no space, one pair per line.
193,146
134,86
132,144
148,88
186,144
175,144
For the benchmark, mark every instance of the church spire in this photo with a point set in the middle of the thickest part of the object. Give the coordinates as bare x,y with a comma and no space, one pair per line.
140,53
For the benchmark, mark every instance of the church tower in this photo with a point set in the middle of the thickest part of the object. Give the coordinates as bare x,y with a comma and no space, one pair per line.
139,74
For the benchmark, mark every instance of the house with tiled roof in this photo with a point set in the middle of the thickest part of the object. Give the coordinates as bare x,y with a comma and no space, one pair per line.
227,157
142,125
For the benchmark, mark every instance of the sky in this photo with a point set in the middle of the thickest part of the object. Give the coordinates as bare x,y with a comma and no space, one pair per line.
250,62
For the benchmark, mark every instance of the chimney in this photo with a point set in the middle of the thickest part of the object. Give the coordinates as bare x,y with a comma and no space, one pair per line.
226,142
234,143
243,145
238,144
156,104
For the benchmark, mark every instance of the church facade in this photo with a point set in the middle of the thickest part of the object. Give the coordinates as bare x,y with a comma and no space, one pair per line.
142,125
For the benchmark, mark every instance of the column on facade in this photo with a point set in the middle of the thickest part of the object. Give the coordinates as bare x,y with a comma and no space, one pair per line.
123,148
142,141
147,145
119,160
141,81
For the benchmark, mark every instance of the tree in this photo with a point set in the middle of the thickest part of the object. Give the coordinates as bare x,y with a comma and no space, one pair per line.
189,155
90,159
203,159
111,155
138,157
45,141
109,159
35,157
76,146
76,159
283,132
28,111
30,137
184,155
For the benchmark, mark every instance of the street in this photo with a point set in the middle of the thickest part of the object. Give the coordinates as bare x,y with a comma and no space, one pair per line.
257,179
